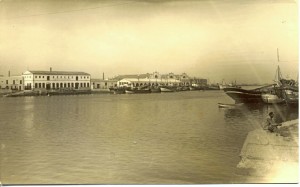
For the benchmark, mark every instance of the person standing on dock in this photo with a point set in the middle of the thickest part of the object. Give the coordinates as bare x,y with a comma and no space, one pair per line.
271,125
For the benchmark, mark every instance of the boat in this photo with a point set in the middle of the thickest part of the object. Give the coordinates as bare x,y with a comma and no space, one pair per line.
137,90
155,89
273,94
271,98
223,105
289,88
167,89
224,85
143,90
290,92
117,90
245,96
129,91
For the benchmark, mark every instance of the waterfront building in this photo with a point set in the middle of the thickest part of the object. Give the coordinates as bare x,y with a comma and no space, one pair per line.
157,79
54,80
154,79
13,83
102,84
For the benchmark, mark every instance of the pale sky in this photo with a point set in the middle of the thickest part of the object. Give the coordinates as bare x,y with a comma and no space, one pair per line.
226,39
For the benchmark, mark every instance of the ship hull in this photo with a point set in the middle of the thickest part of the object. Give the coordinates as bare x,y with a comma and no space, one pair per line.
244,96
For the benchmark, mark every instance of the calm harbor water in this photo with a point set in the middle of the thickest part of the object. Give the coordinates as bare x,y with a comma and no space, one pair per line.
167,138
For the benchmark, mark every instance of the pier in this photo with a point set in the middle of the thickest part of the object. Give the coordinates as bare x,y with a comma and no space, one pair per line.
270,158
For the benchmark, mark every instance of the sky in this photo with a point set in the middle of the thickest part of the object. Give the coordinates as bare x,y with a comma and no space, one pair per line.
228,40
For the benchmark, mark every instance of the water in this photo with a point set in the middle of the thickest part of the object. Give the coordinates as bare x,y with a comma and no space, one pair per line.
167,138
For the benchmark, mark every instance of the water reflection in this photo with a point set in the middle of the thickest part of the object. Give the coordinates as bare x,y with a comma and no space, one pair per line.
126,139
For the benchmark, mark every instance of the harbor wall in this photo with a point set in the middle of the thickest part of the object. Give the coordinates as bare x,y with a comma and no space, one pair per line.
270,158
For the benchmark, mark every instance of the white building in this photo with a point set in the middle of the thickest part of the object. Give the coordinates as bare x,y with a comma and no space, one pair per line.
154,79
11,82
47,80
103,84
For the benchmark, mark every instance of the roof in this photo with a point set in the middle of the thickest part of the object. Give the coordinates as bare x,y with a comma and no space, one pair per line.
140,76
58,73
101,80
150,80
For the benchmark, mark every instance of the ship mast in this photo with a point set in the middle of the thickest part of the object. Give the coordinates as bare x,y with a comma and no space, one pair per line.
278,75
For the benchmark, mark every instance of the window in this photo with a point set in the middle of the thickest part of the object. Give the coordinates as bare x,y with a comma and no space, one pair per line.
69,85
72,85
57,85
39,76
36,85
40,85
6,81
53,85
61,85
84,85
35,76
43,85
14,82
20,81
43,76
88,84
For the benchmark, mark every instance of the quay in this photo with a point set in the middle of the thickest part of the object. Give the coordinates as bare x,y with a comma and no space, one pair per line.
270,158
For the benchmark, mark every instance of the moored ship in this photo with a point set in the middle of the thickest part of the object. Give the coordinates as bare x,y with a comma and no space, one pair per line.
244,96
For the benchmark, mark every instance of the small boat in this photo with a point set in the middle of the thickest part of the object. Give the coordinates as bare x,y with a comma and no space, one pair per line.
144,90
223,105
155,89
137,90
166,89
224,85
129,91
117,90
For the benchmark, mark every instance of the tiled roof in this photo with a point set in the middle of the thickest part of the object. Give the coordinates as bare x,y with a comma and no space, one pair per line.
58,73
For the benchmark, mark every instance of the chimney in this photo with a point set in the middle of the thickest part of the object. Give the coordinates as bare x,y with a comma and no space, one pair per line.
8,73
103,75
50,69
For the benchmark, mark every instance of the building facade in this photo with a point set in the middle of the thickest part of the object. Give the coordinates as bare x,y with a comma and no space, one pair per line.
103,84
14,83
54,80
157,79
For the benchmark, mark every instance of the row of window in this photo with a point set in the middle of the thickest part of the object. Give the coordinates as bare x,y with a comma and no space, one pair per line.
12,87
62,85
14,81
40,76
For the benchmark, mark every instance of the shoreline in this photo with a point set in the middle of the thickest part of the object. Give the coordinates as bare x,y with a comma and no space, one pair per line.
267,158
